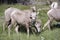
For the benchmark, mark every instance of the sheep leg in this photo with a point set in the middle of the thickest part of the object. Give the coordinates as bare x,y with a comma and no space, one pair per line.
27,32
27,26
46,24
49,26
16,29
9,27
4,25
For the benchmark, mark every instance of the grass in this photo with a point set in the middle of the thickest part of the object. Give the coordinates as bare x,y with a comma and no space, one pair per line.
45,35
4,6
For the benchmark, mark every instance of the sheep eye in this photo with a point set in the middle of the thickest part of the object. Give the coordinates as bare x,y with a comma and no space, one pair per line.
30,17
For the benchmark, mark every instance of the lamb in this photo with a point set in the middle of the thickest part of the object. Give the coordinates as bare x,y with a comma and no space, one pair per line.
38,25
53,14
30,15
8,13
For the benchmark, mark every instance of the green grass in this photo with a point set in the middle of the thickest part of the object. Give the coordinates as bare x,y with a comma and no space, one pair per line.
19,6
44,35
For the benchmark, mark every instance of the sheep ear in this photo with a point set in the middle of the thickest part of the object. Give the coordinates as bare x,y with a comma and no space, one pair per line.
33,8
37,13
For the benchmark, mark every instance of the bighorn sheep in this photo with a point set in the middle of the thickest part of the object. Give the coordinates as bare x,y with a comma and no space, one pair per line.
53,14
26,17
7,14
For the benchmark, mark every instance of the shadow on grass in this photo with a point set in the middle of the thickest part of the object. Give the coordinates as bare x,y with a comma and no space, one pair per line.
31,31
24,30
55,26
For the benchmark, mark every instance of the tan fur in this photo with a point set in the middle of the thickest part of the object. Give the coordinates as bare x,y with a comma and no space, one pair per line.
53,14
18,16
